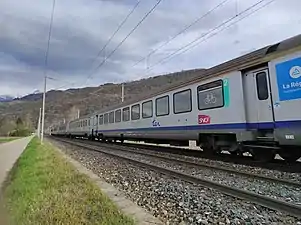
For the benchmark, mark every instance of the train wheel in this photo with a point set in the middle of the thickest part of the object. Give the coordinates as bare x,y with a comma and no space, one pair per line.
263,155
290,155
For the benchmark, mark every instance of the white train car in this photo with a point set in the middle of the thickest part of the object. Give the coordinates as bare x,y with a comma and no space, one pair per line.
251,103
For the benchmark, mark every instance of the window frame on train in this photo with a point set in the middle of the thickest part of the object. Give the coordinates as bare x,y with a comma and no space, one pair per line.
111,117
100,120
175,103
106,118
118,116
126,109
262,85
146,115
217,84
132,114
168,107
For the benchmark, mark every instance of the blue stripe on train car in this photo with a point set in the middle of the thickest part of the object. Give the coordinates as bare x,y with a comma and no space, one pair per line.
277,124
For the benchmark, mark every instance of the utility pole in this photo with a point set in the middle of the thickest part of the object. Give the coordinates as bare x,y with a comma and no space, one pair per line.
122,92
43,109
39,124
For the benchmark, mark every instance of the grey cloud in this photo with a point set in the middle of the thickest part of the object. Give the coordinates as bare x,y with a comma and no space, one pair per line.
82,27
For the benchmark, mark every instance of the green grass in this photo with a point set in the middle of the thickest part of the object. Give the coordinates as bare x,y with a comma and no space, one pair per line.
43,188
7,139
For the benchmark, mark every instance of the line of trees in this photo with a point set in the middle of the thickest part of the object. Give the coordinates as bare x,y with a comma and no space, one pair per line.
15,128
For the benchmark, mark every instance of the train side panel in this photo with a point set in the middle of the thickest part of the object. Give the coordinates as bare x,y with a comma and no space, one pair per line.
286,89
229,118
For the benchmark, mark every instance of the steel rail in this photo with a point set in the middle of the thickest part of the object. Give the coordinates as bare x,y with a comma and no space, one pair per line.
265,201
200,164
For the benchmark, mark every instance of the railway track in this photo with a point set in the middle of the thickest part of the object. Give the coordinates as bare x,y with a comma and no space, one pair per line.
199,164
276,164
272,203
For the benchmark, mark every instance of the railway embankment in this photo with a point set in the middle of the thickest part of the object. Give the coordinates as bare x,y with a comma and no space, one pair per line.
44,188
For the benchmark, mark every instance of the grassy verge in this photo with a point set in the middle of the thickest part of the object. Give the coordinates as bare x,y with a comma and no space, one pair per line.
44,189
7,139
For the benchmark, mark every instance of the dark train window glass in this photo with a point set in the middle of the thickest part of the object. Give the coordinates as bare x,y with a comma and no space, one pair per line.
162,106
126,114
262,86
106,118
211,95
182,102
147,109
100,120
89,123
135,112
118,116
111,117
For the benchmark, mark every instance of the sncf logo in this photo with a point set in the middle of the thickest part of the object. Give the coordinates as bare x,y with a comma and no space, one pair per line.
203,119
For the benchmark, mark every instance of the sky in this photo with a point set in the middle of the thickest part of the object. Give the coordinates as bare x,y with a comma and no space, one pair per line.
81,28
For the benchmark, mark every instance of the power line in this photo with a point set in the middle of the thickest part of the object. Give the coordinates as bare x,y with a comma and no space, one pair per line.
49,35
194,43
126,37
182,31
115,32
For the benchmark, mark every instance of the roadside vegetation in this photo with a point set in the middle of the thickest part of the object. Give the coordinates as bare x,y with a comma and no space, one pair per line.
43,188
7,139
14,128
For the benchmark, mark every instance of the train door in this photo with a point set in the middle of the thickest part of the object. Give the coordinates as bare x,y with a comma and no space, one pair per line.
258,99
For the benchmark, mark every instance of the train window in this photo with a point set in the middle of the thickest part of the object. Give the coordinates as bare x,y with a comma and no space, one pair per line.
211,95
118,116
262,86
106,118
162,106
89,122
126,114
135,112
182,101
100,119
111,117
147,109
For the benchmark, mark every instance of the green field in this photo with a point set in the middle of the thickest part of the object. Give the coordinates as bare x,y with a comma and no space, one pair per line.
43,188
7,139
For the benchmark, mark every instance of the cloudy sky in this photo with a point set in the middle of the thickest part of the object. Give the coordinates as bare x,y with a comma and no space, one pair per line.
82,27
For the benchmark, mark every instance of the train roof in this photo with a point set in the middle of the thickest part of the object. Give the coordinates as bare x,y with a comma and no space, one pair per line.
240,63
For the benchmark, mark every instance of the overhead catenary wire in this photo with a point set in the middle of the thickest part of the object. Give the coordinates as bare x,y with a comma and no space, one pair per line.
124,39
114,34
195,42
187,27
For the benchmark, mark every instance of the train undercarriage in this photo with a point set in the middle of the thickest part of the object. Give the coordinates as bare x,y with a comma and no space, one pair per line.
261,150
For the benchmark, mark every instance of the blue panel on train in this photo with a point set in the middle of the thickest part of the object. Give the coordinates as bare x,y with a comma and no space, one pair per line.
289,79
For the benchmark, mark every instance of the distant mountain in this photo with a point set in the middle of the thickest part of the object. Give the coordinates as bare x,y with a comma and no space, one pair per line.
6,98
34,96
66,104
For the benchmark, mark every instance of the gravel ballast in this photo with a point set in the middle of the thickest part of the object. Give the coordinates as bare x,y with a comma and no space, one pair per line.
172,200
271,189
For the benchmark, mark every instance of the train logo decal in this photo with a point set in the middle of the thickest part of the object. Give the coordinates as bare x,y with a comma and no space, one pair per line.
289,79
204,119
295,72
156,123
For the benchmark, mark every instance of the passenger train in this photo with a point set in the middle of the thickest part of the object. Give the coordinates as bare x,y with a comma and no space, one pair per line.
248,104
